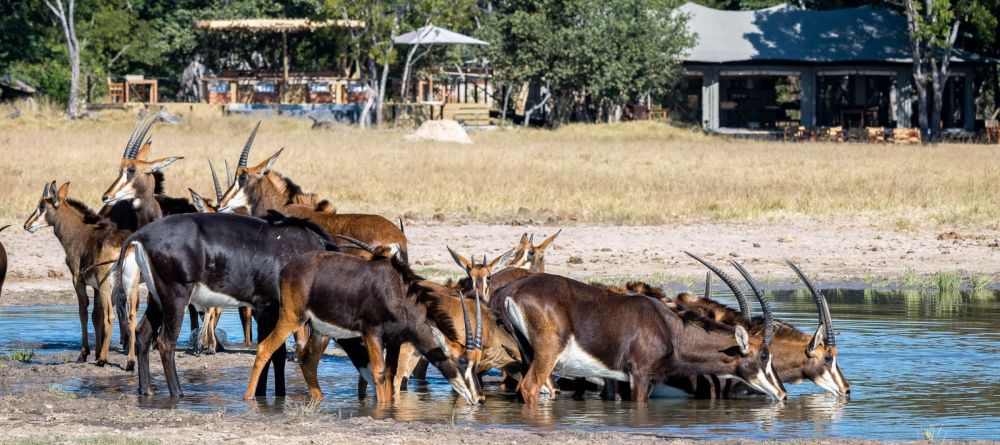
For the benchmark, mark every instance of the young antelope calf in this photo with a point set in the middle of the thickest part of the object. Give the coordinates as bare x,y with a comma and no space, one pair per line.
377,299
92,245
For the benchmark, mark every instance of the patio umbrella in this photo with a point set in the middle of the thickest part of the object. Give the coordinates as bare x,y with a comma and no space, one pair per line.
434,35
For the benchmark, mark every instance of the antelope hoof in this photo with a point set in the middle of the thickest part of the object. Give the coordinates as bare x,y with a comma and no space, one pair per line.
82,358
101,363
130,366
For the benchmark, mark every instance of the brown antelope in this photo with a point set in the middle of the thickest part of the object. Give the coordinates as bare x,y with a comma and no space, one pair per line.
139,189
575,330
260,188
92,244
529,256
499,347
797,355
378,299
3,262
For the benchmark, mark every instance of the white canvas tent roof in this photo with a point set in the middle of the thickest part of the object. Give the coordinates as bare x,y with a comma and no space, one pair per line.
434,35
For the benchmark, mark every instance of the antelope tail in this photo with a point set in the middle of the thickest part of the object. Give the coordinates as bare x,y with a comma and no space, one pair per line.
145,268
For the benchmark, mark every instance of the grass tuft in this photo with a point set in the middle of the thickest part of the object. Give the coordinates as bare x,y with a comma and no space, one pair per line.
944,281
19,354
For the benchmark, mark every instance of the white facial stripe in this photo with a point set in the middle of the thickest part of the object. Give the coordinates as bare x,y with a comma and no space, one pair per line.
123,189
459,386
238,199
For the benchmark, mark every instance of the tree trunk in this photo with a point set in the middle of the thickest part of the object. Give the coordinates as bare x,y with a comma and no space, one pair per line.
66,19
381,95
936,105
506,102
921,86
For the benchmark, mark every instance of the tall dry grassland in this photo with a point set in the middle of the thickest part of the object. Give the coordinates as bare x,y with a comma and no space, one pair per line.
639,173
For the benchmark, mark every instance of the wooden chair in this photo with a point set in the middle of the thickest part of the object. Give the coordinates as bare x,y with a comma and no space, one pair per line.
116,92
992,132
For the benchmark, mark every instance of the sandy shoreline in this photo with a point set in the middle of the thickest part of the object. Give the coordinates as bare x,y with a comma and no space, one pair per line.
832,251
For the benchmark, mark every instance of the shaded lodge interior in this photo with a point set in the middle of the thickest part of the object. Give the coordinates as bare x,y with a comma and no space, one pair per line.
783,67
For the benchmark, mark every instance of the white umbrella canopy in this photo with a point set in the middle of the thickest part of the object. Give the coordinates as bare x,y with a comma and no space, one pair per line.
434,35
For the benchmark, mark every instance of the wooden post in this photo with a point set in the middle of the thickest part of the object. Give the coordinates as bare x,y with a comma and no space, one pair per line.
284,64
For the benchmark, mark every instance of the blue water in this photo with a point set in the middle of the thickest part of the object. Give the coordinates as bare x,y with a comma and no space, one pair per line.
915,362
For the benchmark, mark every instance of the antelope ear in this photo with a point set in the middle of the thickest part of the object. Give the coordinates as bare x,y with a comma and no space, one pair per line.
266,166
545,244
144,151
816,340
63,192
460,260
53,195
524,241
197,201
742,339
160,164
500,259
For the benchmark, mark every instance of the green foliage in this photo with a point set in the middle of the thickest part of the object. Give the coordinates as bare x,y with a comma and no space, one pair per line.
590,54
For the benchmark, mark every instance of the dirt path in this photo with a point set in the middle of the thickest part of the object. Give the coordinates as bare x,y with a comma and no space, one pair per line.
833,251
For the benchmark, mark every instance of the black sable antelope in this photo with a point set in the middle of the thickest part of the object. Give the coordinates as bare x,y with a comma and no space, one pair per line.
575,330
209,261
92,244
262,189
797,355
379,300
206,338
3,262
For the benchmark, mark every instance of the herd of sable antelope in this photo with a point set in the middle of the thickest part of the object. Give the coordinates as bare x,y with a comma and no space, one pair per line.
293,264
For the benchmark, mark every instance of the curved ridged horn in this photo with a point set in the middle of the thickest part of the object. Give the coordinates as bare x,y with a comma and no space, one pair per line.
229,174
360,244
479,324
215,180
245,155
4,227
741,298
821,306
134,150
469,341
131,139
764,304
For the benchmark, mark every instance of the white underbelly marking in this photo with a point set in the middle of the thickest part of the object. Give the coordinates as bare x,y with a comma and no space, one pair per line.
330,330
575,362
202,298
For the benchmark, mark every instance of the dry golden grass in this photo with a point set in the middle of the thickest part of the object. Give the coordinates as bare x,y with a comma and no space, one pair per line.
631,173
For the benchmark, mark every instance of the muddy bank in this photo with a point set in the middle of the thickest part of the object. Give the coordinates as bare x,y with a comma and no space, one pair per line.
56,417
833,251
